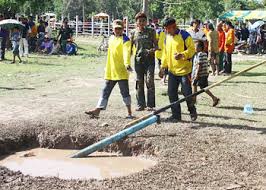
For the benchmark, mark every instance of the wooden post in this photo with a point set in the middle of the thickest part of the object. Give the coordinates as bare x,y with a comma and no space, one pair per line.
77,25
92,26
108,25
127,26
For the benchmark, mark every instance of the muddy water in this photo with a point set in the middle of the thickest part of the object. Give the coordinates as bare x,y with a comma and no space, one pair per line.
56,163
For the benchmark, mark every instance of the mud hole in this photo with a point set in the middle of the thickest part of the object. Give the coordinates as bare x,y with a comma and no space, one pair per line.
130,146
24,154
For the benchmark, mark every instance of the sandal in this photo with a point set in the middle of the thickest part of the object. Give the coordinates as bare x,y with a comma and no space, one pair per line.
216,102
150,109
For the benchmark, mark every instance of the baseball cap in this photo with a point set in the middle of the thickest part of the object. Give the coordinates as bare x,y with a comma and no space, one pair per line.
118,24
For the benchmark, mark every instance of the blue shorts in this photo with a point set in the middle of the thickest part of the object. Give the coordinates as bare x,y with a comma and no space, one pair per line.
15,48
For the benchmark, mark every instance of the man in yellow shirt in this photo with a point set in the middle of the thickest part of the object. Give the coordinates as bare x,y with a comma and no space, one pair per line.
178,50
117,70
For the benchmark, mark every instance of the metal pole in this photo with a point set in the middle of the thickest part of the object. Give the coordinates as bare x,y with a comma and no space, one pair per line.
116,137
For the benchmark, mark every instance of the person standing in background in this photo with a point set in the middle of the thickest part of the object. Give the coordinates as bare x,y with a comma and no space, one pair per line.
221,45
23,43
213,49
4,36
229,47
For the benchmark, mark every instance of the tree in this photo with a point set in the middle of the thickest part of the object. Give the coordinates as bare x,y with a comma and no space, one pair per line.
242,4
200,9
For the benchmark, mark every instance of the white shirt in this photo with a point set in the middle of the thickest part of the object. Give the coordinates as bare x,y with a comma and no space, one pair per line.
199,35
48,31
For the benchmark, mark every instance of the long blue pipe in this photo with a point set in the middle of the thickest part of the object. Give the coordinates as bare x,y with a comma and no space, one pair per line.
116,137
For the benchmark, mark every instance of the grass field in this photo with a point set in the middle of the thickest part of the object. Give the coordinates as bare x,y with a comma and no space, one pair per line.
80,77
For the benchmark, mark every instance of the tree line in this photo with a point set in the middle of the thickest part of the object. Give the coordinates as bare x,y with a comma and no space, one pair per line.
202,9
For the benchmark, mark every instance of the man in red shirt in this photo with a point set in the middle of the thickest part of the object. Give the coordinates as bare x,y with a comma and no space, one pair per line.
221,45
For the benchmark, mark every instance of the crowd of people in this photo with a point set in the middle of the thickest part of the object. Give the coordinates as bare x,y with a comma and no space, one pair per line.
252,40
183,57
36,37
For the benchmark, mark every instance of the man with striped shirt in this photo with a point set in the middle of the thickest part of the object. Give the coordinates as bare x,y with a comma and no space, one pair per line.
200,72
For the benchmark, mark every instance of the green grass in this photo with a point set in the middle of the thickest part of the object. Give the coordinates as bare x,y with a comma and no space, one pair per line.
38,69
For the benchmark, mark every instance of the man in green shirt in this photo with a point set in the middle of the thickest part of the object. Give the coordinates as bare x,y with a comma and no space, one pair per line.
144,44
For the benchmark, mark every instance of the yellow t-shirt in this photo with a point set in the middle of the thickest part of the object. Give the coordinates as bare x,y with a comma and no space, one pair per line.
183,43
118,58
160,35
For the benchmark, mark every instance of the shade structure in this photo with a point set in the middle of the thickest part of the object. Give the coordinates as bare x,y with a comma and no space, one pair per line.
256,15
101,15
10,24
235,15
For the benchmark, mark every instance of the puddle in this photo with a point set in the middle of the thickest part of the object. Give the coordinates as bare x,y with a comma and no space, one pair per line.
56,163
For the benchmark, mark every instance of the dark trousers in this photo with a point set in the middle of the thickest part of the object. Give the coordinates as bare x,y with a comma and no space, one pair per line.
228,63
145,74
221,61
108,88
3,48
173,85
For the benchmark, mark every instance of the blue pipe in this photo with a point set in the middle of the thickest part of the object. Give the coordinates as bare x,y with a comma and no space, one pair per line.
116,137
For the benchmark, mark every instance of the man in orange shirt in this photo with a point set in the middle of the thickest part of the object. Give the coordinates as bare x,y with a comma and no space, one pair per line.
221,45
229,47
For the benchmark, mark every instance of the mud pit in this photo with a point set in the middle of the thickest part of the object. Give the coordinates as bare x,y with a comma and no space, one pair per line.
57,163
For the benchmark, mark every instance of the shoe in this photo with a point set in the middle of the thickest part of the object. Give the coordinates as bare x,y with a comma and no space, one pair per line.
173,119
130,117
194,116
140,109
216,102
92,113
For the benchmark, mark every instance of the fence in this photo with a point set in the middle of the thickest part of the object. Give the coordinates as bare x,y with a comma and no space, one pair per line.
94,28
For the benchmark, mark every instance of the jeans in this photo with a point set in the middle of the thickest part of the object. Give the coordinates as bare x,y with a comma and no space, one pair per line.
145,73
23,47
173,84
228,63
109,85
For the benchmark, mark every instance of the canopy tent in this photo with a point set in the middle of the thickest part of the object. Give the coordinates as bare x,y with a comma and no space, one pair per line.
101,15
235,15
256,15
244,15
